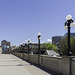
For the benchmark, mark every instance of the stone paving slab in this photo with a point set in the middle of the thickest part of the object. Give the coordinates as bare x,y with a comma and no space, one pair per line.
13,70
12,65
36,71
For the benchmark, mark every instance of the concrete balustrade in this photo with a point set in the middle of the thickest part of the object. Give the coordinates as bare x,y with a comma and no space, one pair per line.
53,63
33,58
73,66
25,56
61,65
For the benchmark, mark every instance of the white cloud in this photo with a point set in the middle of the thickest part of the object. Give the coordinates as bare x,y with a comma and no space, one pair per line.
49,40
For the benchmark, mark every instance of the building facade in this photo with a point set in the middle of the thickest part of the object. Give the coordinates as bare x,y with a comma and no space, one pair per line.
56,40
71,34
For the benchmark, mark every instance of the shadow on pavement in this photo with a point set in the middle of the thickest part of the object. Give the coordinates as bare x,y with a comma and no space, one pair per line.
51,72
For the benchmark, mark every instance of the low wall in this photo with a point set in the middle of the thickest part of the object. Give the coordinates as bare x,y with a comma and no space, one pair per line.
61,65
0,50
33,58
25,56
53,63
73,66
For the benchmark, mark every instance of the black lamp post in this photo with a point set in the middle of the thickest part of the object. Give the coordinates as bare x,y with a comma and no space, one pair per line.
39,36
20,48
28,48
23,46
68,25
23,49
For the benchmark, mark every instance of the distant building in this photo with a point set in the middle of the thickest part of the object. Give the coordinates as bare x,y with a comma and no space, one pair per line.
71,34
56,40
5,47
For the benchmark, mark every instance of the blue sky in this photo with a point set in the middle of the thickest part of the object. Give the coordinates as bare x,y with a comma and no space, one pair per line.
24,19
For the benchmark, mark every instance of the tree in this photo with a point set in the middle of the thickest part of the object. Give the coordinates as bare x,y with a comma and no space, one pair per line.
15,47
63,45
52,47
49,46
45,45
73,45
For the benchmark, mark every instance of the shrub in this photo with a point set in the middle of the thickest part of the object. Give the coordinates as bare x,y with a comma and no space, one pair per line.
52,47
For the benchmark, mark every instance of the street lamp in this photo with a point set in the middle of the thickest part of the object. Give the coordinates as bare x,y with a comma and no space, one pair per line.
20,48
68,24
23,46
39,37
28,45
23,49
28,48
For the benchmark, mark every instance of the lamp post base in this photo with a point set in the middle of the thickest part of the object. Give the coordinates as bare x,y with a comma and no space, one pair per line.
69,53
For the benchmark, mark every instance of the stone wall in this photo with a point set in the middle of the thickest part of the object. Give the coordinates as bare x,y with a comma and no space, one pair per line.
53,63
0,50
34,58
61,65
73,66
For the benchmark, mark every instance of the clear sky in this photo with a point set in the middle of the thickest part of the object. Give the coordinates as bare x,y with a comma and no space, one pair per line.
24,19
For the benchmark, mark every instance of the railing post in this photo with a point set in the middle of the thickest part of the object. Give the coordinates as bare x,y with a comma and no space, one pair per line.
67,65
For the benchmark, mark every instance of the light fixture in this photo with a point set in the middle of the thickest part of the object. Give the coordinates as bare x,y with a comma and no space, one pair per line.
68,17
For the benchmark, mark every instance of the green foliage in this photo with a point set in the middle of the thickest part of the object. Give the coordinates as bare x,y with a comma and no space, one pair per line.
52,47
15,47
34,46
45,45
73,45
63,45
49,46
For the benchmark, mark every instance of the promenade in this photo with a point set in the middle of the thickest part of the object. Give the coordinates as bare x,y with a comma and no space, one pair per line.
12,65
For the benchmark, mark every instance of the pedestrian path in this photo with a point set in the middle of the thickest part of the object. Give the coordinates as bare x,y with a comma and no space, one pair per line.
12,65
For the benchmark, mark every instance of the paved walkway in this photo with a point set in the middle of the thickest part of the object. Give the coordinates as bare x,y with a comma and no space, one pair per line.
12,65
